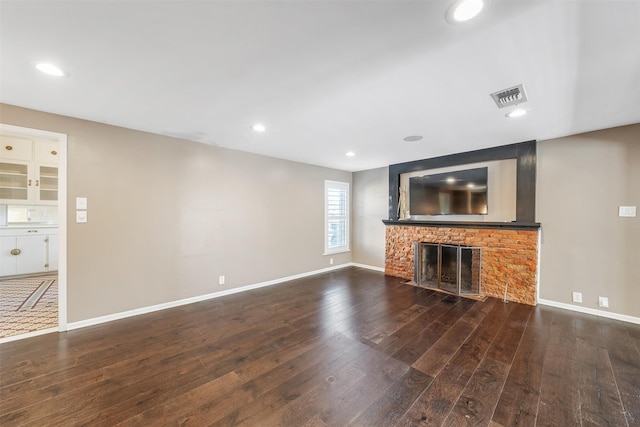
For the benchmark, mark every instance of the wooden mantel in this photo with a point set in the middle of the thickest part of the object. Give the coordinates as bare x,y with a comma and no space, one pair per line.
513,225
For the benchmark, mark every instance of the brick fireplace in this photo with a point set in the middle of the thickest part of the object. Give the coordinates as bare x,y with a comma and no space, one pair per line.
509,253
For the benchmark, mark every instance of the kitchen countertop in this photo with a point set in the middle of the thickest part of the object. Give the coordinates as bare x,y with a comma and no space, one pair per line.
13,226
19,230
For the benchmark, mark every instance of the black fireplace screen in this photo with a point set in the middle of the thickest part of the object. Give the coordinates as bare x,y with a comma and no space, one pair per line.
451,268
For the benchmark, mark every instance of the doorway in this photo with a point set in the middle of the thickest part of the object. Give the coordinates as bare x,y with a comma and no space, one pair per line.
33,301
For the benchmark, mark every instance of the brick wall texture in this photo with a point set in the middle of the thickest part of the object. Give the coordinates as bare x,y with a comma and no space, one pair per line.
509,257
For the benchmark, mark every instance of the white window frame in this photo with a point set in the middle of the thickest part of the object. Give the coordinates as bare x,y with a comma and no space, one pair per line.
329,218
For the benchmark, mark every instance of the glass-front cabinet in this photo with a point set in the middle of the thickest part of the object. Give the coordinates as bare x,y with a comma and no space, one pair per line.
14,181
47,184
21,182
28,171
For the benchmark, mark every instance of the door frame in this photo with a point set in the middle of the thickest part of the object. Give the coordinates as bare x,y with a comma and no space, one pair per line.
61,139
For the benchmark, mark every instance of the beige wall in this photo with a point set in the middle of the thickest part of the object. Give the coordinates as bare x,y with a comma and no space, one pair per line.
586,247
168,216
370,207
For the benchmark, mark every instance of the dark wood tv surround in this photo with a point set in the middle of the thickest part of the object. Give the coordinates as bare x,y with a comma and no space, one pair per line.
509,249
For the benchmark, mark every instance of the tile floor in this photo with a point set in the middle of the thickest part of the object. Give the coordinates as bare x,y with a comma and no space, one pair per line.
22,310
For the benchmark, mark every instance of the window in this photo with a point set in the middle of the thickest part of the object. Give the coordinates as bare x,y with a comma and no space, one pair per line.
336,217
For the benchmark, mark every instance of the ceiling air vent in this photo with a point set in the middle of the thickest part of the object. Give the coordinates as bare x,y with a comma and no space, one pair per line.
512,96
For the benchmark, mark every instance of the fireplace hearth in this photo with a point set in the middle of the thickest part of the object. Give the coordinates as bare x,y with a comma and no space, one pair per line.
451,268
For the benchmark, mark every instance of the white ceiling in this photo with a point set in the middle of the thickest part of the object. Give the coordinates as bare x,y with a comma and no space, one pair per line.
327,77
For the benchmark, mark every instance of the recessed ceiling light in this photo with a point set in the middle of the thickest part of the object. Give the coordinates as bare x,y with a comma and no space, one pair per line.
516,113
451,180
412,138
258,127
463,10
50,69
471,185
349,154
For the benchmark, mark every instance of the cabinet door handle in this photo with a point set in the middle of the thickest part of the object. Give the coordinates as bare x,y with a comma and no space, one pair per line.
29,184
54,153
8,148
37,182
16,251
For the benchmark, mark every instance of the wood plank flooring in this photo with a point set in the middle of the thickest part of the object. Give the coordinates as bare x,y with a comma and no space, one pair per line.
350,347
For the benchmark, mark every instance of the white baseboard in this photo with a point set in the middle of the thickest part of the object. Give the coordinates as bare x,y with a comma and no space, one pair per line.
171,304
28,335
369,267
601,313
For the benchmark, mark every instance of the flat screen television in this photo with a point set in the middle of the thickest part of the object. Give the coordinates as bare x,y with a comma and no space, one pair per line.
462,192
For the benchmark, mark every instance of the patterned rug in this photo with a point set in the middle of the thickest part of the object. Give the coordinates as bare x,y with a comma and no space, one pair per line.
28,304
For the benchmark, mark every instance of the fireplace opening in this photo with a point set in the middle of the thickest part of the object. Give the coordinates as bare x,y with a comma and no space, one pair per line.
451,268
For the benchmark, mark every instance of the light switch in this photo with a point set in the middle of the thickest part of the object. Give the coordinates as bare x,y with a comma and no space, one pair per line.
81,216
628,211
81,203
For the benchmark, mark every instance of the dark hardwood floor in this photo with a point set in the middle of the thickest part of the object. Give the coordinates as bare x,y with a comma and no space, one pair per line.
351,347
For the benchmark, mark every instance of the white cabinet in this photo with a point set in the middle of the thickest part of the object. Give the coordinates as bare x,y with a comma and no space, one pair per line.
28,171
46,184
45,152
13,148
52,254
25,251
15,181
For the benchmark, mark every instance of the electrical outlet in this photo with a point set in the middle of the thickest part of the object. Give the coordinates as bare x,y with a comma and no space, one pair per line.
221,280
330,261
577,297
603,301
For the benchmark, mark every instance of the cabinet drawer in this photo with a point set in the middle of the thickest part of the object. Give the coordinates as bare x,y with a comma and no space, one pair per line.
15,148
46,152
